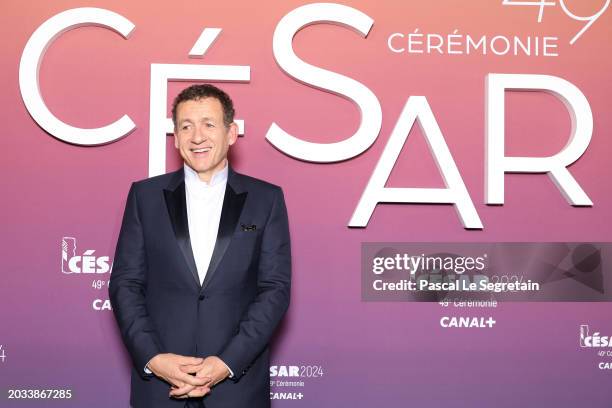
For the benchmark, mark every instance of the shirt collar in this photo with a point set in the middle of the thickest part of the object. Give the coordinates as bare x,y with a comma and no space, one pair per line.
192,180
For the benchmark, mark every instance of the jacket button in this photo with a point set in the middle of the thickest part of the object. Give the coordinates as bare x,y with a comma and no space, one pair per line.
202,297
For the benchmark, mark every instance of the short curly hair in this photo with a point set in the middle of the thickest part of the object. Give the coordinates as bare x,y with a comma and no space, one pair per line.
201,91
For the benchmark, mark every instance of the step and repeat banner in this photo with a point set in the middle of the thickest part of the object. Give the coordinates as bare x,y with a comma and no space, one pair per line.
446,169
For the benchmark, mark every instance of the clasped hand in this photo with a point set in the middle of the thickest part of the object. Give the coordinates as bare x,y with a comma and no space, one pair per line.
189,376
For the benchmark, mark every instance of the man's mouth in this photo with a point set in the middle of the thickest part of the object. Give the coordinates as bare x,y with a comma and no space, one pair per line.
201,150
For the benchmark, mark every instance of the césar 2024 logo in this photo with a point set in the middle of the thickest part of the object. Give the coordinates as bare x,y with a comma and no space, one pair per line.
86,263
593,340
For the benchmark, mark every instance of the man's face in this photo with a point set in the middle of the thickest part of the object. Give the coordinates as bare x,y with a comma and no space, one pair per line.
201,136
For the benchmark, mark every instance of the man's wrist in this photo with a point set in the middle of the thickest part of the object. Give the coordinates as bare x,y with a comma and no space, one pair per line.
231,373
147,368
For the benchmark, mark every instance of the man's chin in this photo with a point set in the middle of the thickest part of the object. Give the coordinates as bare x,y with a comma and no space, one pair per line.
199,167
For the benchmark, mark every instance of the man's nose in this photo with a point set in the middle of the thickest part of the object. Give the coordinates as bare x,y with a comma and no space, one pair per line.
199,135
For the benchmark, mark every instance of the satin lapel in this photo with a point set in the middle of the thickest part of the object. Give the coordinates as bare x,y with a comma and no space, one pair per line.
177,209
230,213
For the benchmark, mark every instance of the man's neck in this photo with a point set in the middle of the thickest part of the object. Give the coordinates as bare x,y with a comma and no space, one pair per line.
206,177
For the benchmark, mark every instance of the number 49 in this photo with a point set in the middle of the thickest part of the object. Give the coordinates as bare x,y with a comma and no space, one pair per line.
543,3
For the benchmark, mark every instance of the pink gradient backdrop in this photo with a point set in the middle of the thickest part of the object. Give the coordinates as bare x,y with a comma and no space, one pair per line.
383,354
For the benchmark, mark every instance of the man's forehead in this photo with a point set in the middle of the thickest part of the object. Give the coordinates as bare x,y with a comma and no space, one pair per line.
209,105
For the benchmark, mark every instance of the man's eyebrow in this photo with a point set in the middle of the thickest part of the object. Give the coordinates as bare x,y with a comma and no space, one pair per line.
205,118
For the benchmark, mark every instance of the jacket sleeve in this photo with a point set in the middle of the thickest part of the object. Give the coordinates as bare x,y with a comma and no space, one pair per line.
127,289
273,292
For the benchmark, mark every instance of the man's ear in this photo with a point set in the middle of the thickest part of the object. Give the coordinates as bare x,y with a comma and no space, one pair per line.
233,133
176,144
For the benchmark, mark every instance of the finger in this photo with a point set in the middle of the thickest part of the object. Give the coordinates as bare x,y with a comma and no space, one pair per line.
174,382
199,392
190,368
181,391
182,386
209,379
192,380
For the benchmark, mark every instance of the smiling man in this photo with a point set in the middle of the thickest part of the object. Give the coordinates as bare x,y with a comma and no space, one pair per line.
202,270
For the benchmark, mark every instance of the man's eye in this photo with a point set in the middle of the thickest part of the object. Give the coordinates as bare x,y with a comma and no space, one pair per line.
185,127
210,125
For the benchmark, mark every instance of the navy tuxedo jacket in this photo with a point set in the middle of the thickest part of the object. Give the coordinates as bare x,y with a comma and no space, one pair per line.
161,307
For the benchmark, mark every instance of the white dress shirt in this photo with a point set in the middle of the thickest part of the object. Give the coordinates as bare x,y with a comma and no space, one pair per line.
204,204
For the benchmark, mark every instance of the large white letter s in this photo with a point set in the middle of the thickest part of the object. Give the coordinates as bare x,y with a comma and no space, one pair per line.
371,112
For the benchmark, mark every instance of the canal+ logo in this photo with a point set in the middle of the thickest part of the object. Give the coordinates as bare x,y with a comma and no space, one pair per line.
86,263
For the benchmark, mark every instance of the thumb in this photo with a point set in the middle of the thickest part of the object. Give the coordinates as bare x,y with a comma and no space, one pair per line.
190,368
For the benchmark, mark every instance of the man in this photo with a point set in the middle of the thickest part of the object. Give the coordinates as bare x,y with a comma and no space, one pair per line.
202,270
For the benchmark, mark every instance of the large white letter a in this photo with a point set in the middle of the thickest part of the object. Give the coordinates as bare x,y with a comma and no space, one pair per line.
456,193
